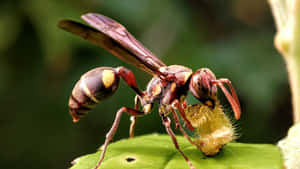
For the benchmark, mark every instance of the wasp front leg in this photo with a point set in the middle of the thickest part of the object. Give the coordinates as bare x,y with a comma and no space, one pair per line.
178,125
167,123
177,105
180,107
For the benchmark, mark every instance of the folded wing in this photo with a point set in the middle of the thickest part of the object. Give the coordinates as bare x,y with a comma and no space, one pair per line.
114,37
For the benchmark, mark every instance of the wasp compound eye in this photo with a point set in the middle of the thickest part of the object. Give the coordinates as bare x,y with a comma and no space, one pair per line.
94,86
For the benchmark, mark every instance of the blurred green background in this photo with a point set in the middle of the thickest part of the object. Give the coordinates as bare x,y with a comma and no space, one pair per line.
39,64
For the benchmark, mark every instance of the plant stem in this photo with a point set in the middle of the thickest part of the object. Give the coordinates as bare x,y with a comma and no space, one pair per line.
279,12
287,41
294,57
294,72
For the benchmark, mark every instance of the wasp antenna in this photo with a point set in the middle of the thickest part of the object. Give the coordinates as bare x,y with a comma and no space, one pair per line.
228,82
232,98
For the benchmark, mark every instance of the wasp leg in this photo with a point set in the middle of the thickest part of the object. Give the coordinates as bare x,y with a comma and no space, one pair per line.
177,105
184,105
137,103
232,98
114,128
132,124
129,78
167,123
176,119
175,116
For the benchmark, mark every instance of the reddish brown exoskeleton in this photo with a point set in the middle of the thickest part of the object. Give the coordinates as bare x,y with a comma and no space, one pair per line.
169,85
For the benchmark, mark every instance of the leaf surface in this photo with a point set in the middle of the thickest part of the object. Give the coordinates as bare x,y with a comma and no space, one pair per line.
158,152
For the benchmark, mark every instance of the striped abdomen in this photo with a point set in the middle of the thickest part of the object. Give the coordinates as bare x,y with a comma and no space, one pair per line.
94,86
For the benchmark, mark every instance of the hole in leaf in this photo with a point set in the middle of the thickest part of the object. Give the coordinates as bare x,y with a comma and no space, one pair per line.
130,159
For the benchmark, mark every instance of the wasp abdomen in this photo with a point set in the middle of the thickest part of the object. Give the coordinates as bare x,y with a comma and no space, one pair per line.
93,87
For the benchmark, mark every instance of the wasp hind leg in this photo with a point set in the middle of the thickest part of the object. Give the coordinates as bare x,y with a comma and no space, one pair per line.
114,128
129,78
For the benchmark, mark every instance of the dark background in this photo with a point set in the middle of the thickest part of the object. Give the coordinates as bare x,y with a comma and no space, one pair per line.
39,64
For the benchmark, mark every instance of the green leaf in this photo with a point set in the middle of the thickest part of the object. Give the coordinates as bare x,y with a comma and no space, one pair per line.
158,152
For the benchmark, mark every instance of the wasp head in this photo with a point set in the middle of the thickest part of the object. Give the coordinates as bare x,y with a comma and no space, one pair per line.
202,88
203,85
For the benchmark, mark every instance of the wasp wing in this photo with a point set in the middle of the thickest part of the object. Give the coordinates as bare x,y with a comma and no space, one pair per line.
114,37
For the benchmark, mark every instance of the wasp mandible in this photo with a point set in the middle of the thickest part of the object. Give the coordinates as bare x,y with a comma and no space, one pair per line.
169,85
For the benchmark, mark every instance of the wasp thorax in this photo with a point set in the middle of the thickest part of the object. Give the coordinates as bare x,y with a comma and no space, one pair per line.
94,86
202,88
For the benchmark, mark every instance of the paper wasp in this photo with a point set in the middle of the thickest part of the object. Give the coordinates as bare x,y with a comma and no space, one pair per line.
169,85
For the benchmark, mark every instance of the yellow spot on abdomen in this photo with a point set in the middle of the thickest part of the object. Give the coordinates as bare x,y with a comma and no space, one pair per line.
108,78
87,91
